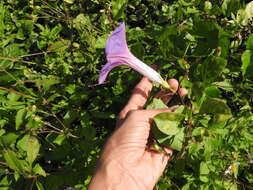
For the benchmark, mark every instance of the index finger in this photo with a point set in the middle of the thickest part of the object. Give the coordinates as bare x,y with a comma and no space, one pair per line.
138,98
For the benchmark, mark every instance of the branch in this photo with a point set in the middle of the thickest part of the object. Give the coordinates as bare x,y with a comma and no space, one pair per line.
34,54
16,92
15,60
3,164
58,132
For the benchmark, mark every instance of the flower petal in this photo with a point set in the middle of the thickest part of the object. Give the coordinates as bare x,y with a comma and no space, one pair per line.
116,43
117,53
142,68
106,69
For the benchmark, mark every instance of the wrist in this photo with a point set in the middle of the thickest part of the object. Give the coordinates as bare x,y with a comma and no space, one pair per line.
99,180
112,176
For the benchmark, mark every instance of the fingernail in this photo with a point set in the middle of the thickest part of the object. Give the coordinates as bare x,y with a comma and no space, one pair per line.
173,84
182,92
168,151
173,108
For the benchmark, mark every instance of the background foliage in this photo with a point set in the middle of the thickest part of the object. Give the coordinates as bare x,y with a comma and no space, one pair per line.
54,119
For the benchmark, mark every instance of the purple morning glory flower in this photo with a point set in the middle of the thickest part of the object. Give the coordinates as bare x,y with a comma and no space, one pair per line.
117,53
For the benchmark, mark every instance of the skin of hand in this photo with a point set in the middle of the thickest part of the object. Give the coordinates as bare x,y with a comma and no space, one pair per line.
126,162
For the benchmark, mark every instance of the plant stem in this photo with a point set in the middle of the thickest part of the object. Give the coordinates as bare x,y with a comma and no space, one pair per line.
16,92
32,184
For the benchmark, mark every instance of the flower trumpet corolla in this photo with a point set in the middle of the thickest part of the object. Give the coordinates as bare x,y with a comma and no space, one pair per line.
117,53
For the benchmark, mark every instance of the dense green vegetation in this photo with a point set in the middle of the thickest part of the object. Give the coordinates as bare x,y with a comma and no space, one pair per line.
54,119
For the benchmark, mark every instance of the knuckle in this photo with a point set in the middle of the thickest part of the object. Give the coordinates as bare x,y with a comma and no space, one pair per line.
121,114
133,113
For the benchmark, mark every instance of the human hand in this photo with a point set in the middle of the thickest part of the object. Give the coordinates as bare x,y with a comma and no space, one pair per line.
126,161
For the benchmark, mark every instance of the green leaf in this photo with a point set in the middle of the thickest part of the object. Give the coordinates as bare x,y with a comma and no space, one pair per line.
58,46
70,88
39,185
247,66
47,83
168,122
14,105
204,171
212,68
8,139
118,8
249,10
225,85
197,131
118,88
39,170
177,140
212,92
223,44
55,31
215,106
12,50
249,43
60,139
5,183
33,147
22,143
33,123
245,15
171,41
156,104
230,6
69,1
25,28
70,116
233,186
81,21
166,129
186,186
138,50
101,41
186,3
207,35
13,96
13,162
2,16
20,117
